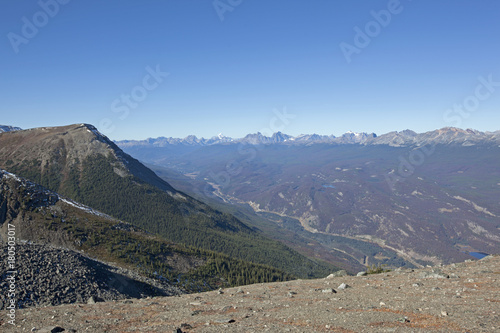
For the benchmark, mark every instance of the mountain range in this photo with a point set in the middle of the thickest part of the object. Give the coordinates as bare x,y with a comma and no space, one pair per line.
425,198
447,135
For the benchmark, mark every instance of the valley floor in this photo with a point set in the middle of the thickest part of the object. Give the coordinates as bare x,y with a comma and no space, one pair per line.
462,297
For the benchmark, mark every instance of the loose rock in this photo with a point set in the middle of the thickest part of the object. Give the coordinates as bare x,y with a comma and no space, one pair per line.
328,290
343,286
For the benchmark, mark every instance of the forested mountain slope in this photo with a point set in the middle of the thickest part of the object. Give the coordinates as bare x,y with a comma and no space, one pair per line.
80,163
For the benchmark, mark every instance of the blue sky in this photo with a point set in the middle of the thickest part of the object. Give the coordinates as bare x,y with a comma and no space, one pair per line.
235,66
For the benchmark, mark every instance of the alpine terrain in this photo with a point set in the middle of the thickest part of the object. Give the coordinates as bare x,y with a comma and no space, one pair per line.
402,198
82,165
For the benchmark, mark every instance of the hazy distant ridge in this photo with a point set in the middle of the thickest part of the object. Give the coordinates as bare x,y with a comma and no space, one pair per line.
447,135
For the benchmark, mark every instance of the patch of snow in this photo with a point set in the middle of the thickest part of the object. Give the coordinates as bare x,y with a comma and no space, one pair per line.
76,205
82,207
178,196
96,132
11,175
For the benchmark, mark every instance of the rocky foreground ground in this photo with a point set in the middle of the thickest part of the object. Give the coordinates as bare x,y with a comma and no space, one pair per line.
53,276
462,297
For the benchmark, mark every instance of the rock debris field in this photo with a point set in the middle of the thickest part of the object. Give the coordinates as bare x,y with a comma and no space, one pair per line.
463,297
54,276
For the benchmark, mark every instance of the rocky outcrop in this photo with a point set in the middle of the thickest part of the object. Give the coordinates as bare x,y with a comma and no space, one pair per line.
45,275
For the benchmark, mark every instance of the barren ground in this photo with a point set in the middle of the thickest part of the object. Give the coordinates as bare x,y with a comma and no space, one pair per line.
400,301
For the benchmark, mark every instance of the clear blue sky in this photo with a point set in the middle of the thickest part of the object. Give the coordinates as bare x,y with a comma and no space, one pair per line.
232,75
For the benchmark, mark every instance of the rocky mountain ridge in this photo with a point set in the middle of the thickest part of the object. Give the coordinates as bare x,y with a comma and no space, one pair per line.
447,135
72,144
256,138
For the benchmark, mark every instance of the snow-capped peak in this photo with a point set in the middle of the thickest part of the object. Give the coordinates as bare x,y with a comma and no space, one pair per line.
7,128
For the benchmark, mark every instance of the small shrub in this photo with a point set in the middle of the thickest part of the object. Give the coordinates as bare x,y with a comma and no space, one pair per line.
377,269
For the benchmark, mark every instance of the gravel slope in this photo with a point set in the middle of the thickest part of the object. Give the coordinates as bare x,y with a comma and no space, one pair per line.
47,275
461,297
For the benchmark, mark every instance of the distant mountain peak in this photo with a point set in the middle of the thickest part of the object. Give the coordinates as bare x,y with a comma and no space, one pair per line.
354,137
443,136
8,128
408,132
